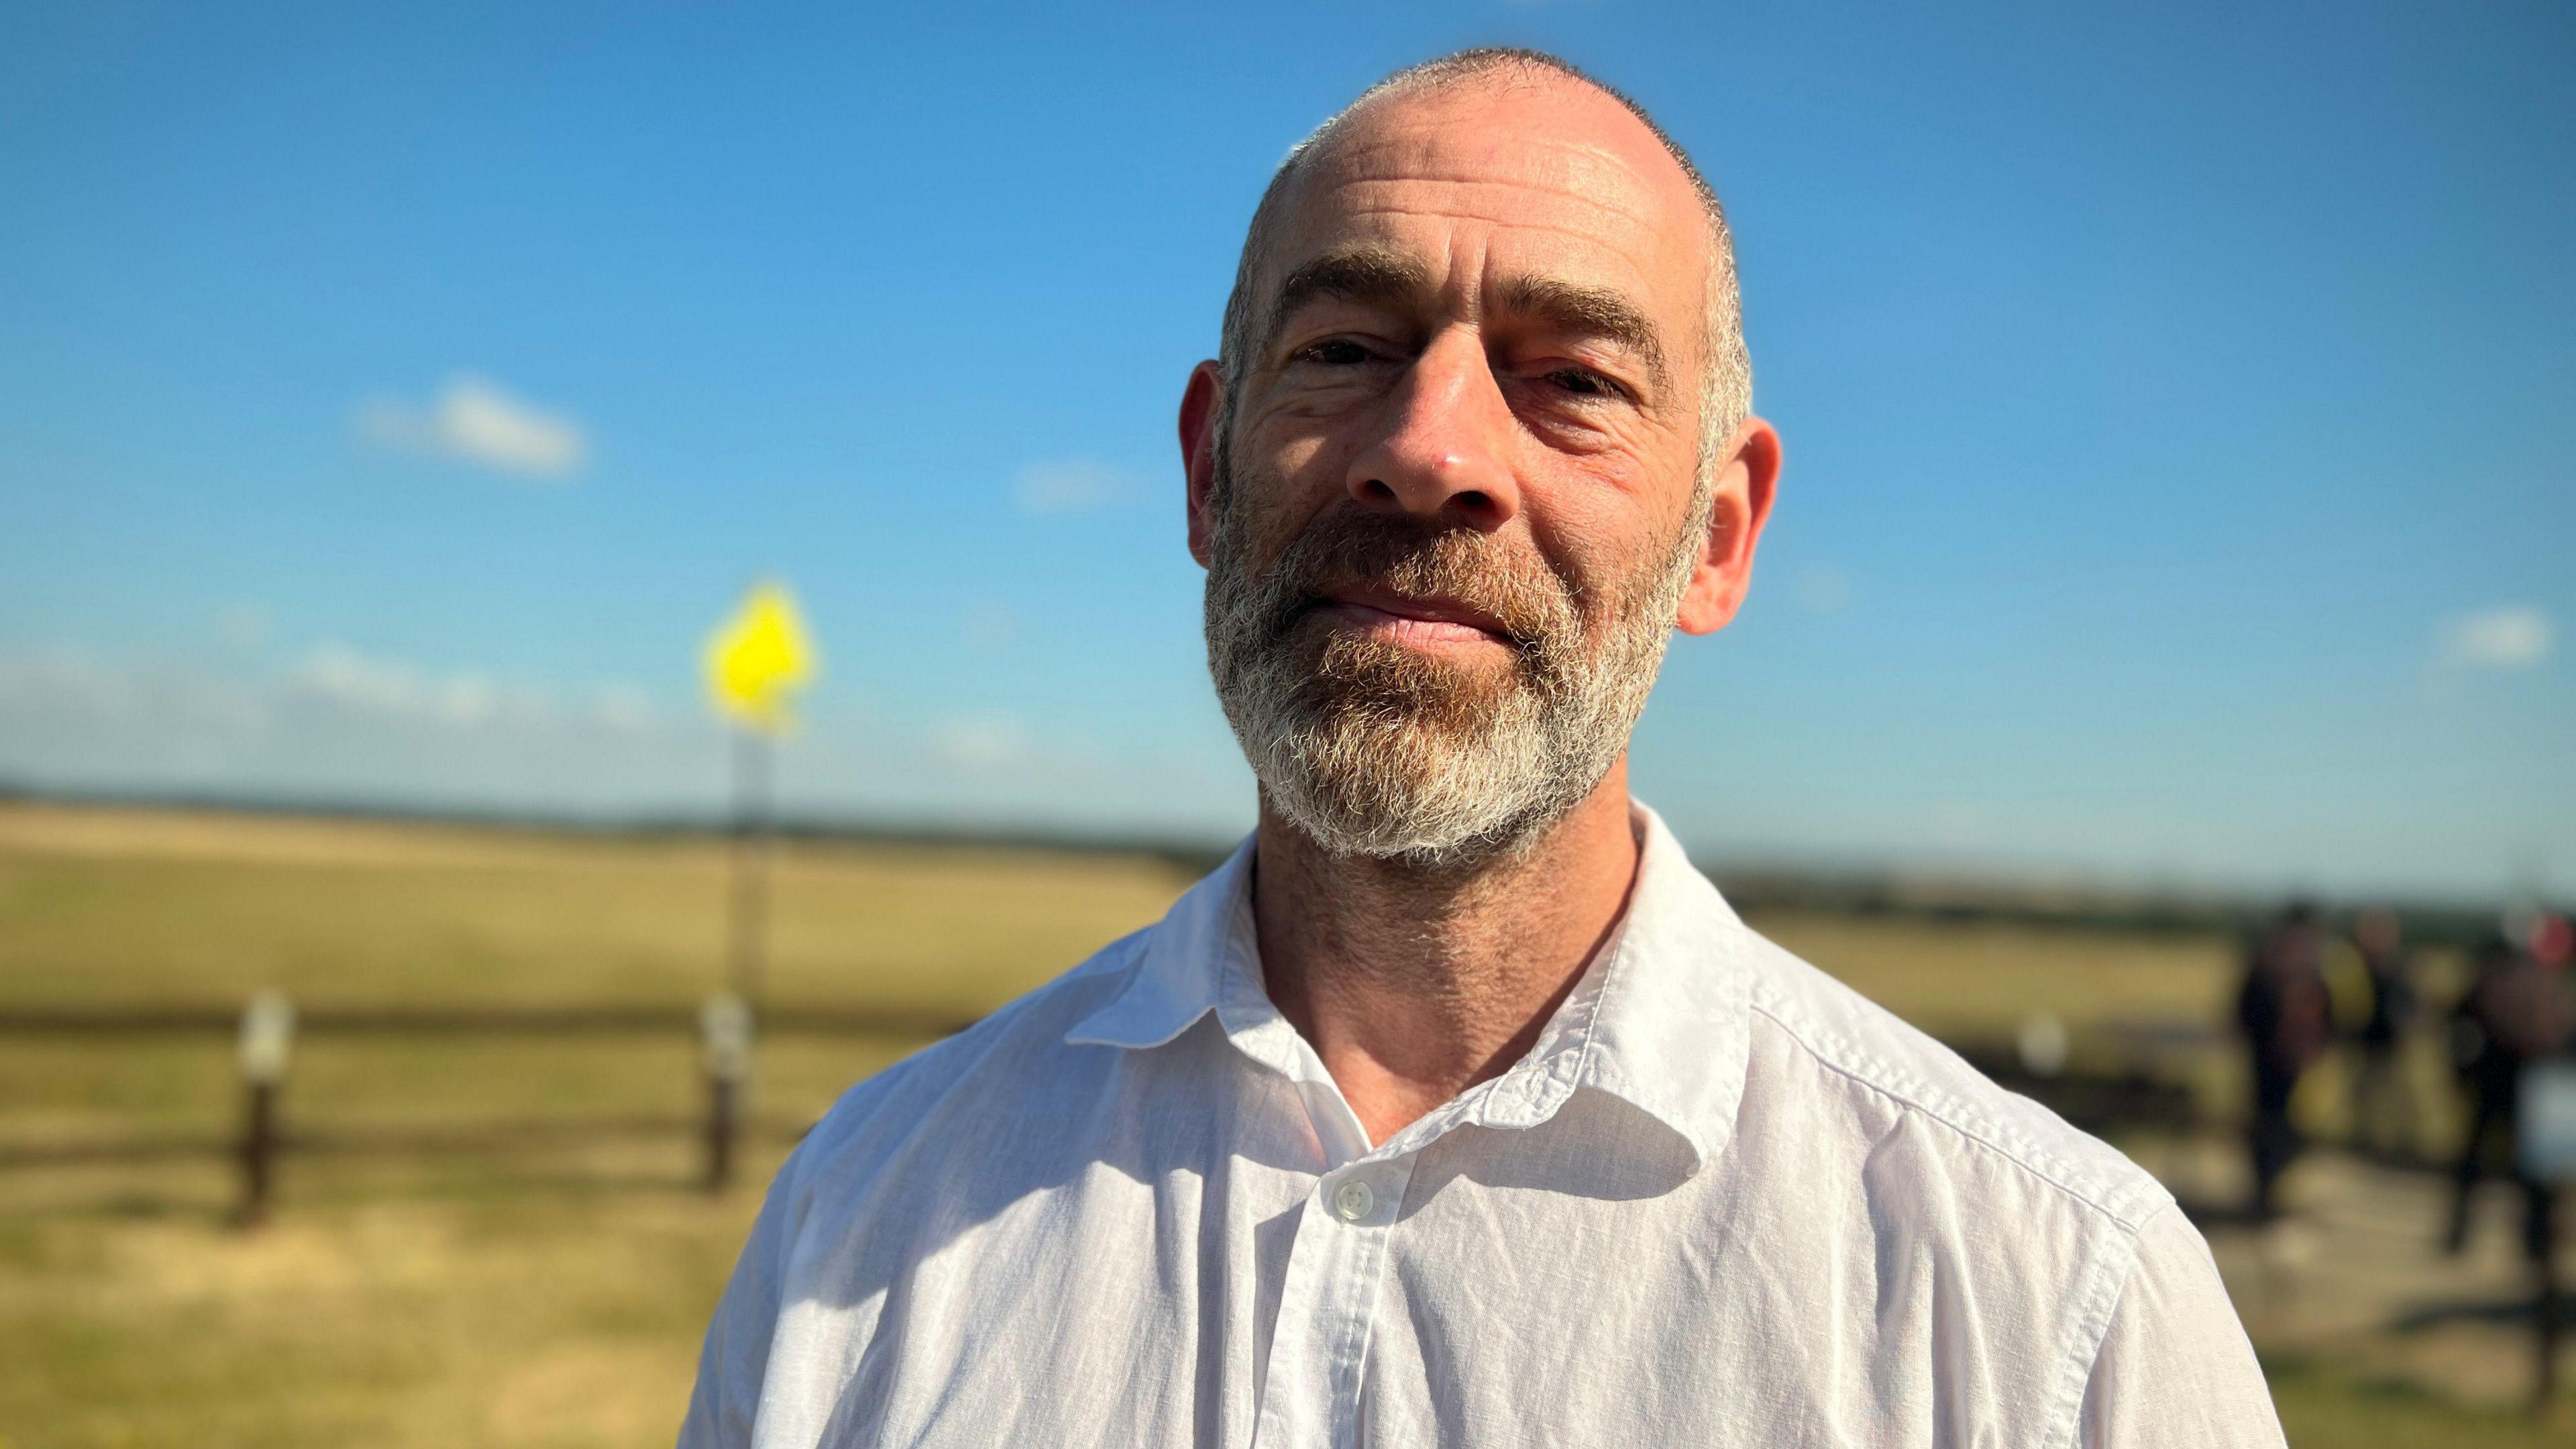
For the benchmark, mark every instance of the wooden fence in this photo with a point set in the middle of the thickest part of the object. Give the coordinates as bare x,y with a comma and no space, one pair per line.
267,1030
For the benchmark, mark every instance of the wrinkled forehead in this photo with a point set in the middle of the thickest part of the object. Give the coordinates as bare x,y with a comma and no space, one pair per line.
1533,179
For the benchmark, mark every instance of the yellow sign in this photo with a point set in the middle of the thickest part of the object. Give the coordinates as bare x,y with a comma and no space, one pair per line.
758,658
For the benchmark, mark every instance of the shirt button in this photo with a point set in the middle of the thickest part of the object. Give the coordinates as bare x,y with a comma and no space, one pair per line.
1353,1200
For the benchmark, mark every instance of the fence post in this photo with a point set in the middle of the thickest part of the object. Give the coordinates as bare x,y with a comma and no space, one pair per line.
725,1028
267,1043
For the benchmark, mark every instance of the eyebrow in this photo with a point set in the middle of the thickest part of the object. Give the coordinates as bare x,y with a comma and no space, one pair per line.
1375,274
1586,311
1357,274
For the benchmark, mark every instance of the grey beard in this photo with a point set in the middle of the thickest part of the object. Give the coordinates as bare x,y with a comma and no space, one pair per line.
1371,750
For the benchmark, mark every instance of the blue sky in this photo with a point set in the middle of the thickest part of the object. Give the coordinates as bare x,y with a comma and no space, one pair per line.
2178,484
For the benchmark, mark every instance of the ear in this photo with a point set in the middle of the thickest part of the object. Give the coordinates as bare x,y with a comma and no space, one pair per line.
1742,504
1202,401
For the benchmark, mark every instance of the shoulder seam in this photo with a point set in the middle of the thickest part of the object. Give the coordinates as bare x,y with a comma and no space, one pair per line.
2030,1157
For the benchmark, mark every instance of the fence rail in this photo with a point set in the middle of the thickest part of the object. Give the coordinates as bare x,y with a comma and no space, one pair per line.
472,1021
268,1030
388,1139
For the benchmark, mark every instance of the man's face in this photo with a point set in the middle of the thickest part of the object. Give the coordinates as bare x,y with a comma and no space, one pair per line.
1454,508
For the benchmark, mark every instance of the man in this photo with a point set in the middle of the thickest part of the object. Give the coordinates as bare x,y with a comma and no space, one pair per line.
1457,1108
2283,1009
2514,1013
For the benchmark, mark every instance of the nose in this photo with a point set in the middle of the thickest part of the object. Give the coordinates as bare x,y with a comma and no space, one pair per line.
1441,454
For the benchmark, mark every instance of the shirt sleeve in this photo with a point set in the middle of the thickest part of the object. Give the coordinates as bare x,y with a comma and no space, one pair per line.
2175,1366
732,1366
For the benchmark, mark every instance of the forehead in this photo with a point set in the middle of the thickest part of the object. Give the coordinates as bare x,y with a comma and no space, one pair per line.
1517,178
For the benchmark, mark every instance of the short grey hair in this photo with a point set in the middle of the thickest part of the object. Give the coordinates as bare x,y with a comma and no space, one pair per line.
1726,385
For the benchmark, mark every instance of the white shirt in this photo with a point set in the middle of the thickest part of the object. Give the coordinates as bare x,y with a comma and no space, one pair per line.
1723,1201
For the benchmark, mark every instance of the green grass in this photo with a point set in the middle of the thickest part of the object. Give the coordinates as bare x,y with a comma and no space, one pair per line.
550,1292
2324,1404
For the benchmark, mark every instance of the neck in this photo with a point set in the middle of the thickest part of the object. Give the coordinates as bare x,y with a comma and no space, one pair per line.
1413,986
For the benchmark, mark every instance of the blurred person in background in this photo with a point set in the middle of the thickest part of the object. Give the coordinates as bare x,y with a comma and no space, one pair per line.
2286,1015
1457,1106
2383,1100
2515,1012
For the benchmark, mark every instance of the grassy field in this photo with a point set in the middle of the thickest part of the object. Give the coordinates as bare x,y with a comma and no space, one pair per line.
548,1290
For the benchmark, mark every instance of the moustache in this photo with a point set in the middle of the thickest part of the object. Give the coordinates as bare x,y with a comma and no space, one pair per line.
1535,611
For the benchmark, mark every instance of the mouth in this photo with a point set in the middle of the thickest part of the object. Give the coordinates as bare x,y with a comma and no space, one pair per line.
1433,625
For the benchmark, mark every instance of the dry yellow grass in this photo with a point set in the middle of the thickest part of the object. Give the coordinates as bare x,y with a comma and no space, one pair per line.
398,1305
539,1295
109,906
150,906
1968,979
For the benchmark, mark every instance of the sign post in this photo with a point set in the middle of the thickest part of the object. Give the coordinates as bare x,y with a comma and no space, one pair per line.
756,663
747,953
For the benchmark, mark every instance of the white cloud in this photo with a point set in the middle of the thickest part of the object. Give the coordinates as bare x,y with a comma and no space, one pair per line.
467,699
67,681
337,721
351,724
2517,637
80,695
342,675
331,679
982,742
391,688
1073,486
473,420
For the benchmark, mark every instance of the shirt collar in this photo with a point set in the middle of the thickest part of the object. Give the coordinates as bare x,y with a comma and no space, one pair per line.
1660,1020
1203,948
1669,1026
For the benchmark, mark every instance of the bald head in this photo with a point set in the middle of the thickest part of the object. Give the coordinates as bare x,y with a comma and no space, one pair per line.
1488,79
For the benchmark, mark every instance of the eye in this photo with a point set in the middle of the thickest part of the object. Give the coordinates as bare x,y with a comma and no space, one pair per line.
1583,382
1335,352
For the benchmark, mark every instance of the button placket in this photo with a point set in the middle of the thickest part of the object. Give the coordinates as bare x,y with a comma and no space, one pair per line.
1327,1306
